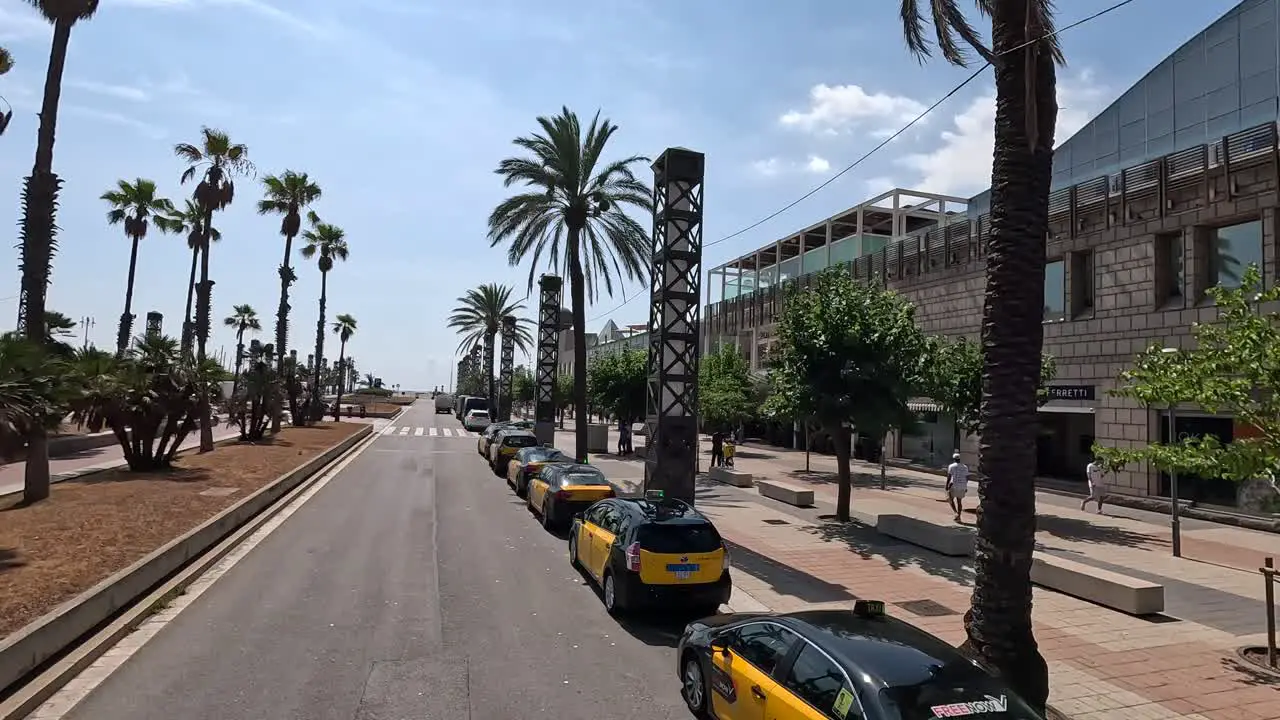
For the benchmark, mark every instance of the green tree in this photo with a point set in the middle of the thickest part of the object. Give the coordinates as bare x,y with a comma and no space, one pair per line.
725,388
848,355
243,319
188,221
955,380
327,243
132,205
523,386
33,390
344,326
563,395
38,234
58,332
618,383
215,162
287,195
573,211
1024,53
1234,369
6,61
478,318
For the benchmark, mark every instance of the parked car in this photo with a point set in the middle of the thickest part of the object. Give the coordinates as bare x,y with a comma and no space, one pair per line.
476,420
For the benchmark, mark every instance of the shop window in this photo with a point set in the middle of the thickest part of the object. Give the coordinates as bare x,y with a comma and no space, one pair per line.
1081,284
1055,291
1170,279
1233,249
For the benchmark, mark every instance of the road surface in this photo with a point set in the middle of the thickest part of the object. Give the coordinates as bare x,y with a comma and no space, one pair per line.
413,585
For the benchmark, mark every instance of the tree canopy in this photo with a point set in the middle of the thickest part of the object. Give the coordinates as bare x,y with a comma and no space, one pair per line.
725,389
617,383
954,380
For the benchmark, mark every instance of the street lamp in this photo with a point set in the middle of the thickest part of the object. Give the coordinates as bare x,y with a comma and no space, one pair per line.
1175,526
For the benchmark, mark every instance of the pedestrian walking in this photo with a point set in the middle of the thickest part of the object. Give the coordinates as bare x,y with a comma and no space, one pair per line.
717,448
957,485
1097,484
624,438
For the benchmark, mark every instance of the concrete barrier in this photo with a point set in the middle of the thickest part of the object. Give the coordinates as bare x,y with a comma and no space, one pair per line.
786,492
729,476
951,540
1103,587
29,647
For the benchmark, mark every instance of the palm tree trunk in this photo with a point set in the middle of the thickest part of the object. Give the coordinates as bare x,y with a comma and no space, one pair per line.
38,229
282,331
126,318
488,373
998,623
844,481
337,403
317,409
578,304
235,381
204,306
188,327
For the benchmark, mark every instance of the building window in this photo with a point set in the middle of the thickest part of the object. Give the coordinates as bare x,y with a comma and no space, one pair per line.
1234,249
1081,283
1170,280
1055,291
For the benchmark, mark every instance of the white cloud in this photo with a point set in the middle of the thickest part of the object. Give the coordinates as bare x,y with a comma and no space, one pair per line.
877,185
839,108
817,165
25,24
768,167
121,92
155,132
961,163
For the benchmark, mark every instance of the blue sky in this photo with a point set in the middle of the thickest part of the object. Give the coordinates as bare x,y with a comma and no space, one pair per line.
402,108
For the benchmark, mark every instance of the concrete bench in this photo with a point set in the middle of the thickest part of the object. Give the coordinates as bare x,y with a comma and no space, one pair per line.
951,540
729,476
786,492
1103,587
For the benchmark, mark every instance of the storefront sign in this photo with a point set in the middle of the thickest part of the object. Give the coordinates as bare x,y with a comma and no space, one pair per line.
1070,392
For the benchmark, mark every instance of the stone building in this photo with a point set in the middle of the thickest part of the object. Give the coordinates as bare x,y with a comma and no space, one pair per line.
1170,190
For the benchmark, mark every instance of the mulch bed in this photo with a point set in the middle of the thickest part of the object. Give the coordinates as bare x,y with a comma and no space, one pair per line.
95,526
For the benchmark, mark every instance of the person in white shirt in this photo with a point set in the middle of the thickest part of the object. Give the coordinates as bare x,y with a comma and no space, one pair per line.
1097,484
957,485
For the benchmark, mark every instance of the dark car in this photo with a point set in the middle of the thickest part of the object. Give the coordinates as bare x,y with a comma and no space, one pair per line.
505,445
651,550
563,489
528,462
837,665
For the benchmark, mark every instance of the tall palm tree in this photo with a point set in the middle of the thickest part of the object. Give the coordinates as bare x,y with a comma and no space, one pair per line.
39,218
6,64
478,317
132,204
243,318
572,210
188,221
1025,54
286,195
344,326
215,163
327,243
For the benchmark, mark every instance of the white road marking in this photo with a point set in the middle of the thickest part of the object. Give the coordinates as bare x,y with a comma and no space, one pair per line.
417,432
435,431
71,694
445,432
404,430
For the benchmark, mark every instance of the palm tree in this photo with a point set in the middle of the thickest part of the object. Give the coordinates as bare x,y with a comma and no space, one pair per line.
478,317
131,205
344,326
39,218
572,212
6,64
369,379
188,221
243,318
286,195
1024,54
329,243
215,162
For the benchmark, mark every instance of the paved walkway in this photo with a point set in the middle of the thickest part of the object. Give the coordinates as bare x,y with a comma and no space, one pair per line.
1104,665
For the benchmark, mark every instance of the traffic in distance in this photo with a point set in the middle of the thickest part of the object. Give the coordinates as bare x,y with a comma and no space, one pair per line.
651,552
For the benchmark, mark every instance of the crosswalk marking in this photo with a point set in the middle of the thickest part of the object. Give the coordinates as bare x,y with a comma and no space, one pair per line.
404,430
434,431
417,432
408,430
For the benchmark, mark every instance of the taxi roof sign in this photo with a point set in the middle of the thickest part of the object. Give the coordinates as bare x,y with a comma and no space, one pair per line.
654,495
868,608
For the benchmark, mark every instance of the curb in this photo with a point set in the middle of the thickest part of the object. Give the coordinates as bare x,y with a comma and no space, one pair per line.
30,647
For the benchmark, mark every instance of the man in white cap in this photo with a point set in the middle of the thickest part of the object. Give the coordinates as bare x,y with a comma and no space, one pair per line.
957,485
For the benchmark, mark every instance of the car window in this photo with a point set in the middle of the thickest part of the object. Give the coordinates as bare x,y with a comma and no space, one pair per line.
581,476
595,514
520,441
762,644
956,690
818,681
679,538
612,520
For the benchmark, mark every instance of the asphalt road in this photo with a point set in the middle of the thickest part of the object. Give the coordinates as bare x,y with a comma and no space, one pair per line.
414,585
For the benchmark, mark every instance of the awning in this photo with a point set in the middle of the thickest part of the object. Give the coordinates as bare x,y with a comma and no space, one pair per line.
923,406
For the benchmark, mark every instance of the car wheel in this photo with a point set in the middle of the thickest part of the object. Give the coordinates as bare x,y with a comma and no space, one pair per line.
528,501
548,522
573,552
693,686
522,488
610,592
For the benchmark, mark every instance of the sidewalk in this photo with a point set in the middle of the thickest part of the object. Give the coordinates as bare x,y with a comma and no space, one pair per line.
1104,665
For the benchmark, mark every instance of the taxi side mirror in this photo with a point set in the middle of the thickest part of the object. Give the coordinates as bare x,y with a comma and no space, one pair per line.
579,515
718,646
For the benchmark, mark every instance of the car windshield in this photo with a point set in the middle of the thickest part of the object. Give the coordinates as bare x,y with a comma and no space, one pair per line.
679,538
582,475
955,691
479,414
520,441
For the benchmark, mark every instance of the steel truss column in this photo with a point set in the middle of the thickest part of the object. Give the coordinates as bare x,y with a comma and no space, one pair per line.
506,364
155,324
544,413
674,314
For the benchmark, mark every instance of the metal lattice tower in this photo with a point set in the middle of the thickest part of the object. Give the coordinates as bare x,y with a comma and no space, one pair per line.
155,324
544,413
674,314
506,367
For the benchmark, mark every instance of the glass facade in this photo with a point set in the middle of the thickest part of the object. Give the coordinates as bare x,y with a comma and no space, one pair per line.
1235,248
1055,291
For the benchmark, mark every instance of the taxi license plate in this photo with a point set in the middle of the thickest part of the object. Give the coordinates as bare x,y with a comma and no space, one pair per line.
683,571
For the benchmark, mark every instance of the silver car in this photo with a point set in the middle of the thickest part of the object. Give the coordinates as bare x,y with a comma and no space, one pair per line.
476,420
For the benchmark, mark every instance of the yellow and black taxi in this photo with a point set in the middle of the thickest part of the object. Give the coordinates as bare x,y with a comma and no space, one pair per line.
560,490
650,550
489,433
505,445
528,462
833,665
